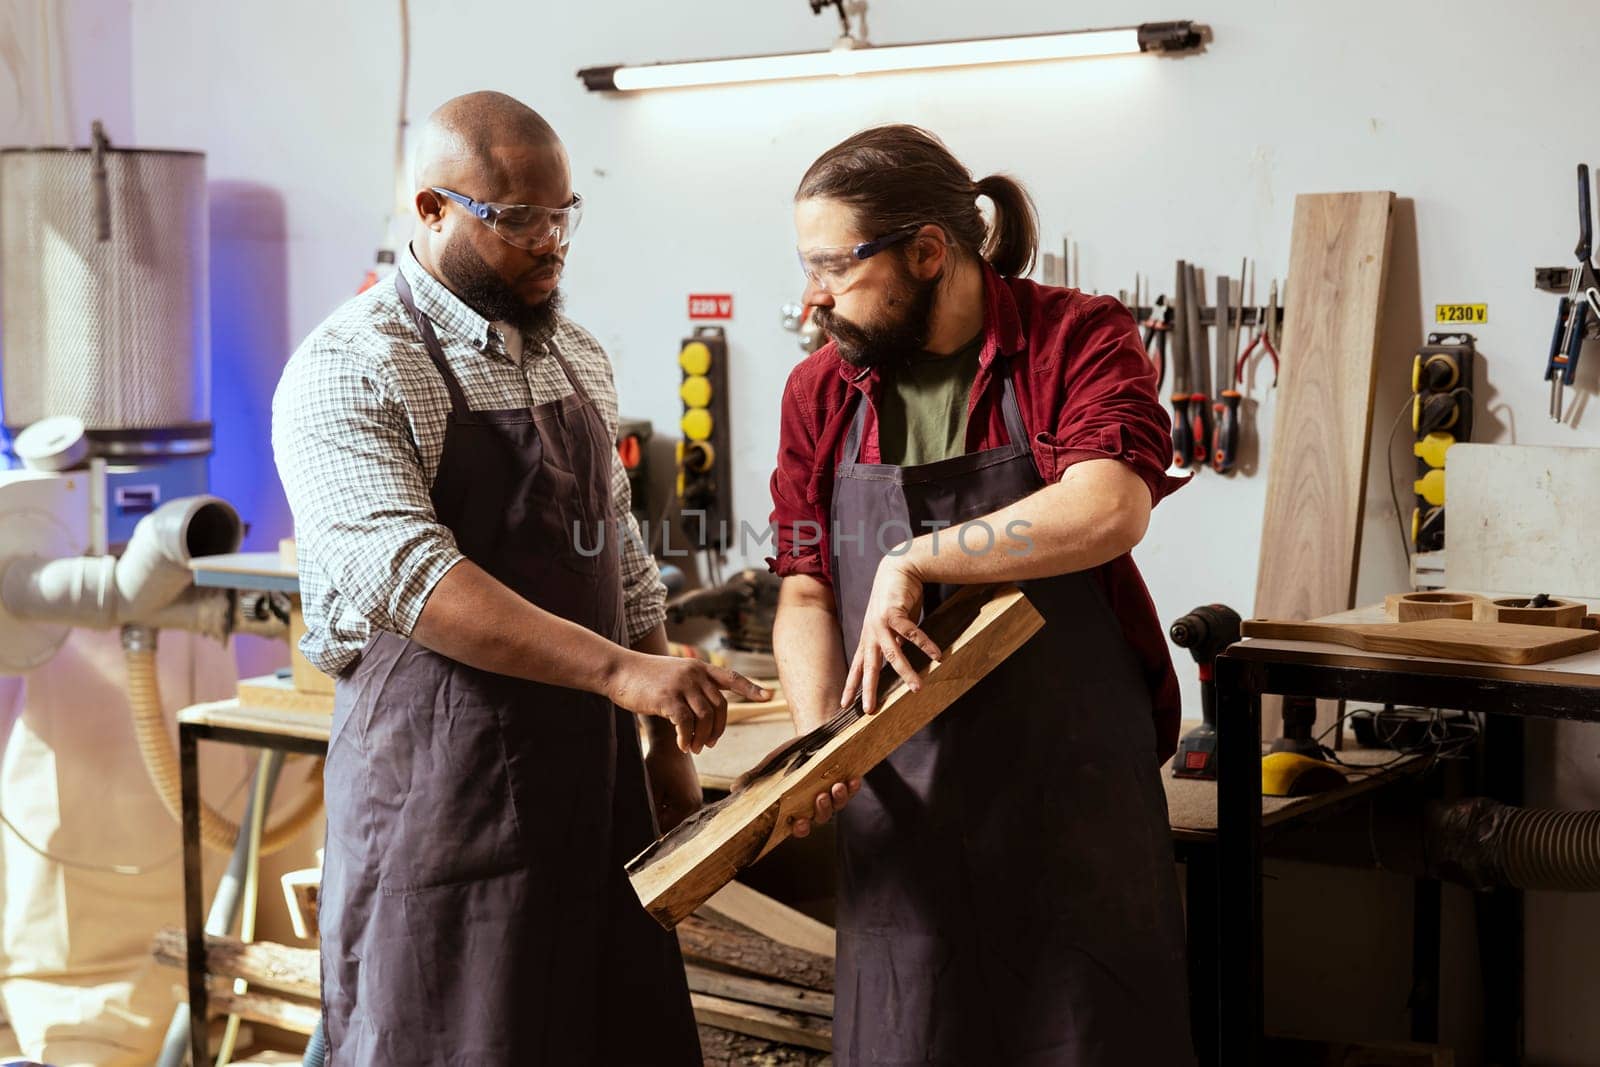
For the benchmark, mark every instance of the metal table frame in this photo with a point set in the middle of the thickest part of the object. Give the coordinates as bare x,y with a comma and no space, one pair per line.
1243,674
189,737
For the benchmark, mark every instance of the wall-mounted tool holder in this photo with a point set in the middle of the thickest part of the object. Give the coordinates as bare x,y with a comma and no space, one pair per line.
705,472
1442,376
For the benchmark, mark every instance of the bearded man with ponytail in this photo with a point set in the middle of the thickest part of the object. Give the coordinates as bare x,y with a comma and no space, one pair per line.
1006,884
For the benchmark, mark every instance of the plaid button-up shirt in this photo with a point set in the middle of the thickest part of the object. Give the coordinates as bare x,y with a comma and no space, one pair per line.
358,424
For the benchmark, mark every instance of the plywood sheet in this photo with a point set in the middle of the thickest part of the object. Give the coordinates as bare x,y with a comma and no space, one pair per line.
1522,519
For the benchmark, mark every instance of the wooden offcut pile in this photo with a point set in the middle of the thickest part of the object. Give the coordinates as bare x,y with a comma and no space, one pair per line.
758,1001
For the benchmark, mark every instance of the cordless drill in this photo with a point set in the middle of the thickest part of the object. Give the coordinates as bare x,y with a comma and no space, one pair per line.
1205,632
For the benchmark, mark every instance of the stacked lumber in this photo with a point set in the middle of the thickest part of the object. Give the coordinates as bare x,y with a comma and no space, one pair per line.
777,998
757,999
285,983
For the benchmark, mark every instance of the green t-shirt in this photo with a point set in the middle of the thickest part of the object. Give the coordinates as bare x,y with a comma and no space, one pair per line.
923,416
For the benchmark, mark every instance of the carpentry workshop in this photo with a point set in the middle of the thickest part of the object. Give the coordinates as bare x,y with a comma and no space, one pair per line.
467,598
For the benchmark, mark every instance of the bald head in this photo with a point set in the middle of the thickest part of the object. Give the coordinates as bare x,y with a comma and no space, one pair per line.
485,144
493,149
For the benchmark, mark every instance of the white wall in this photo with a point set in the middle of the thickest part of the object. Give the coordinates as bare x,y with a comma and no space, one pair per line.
1142,160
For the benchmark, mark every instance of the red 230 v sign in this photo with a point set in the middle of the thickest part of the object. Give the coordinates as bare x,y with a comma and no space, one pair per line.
711,305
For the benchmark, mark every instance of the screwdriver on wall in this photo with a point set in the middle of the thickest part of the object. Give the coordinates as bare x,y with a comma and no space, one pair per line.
1182,429
1200,398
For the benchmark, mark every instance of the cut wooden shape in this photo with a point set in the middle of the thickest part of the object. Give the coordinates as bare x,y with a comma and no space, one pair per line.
743,905
1521,610
1485,642
976,630
1311,530
1416,607
808,1031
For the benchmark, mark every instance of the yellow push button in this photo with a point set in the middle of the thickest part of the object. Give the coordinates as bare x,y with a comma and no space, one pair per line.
695,358
697,424
696,391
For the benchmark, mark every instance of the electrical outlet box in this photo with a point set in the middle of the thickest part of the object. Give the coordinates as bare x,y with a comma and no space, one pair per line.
1442,376
705,458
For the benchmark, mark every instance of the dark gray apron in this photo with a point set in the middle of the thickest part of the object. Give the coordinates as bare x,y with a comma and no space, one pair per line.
474,908
1006,883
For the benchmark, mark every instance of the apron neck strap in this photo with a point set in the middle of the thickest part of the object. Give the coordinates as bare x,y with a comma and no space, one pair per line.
852,443
566,368
1015,430
458,398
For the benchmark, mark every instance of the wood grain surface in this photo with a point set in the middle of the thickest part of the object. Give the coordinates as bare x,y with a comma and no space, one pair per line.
1485,642
704,853
1311,532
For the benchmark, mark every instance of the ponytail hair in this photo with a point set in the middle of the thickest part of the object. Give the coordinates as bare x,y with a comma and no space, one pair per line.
896,177
1013,237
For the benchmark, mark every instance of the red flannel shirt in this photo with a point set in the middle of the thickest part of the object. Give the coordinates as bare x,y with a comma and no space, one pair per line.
1086,390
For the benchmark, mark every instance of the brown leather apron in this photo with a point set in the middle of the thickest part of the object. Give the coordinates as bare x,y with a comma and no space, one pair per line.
1006,884
474,908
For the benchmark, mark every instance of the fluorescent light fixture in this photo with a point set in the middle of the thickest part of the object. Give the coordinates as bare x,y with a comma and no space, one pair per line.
1158,37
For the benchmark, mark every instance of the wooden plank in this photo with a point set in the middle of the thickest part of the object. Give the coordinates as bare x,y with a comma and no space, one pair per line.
713,941
758,1021
976,629
756,991
313,726
295,1017
270,691
1522,519
261,963
1311,532
1487,642
740,903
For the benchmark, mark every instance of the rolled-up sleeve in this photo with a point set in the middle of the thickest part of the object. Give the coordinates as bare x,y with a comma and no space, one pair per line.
798,525
1111,408
356,485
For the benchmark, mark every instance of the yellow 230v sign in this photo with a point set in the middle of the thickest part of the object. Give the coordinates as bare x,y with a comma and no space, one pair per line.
1460,313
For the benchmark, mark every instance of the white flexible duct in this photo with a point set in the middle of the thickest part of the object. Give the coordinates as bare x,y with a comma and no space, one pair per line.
101,592
150,587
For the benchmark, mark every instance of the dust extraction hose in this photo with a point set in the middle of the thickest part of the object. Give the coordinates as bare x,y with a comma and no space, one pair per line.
155,745
1484,843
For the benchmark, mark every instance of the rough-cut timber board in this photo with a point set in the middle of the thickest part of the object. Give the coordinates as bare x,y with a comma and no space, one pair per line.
756,991
1485,642
808,1031
1311,533
705,852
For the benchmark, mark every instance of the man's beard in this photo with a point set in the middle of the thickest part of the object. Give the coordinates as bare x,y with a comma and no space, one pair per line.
899,337
483,290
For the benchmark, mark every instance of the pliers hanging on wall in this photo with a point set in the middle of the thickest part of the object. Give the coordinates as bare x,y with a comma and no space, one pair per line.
1266,330
1156,328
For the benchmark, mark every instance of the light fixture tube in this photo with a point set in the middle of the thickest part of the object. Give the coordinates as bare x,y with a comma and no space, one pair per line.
1161,37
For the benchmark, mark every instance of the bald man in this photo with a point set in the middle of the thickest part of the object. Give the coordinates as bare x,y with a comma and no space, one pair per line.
447,444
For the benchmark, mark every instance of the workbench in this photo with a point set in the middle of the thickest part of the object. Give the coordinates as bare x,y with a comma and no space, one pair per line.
1566,688
281,718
